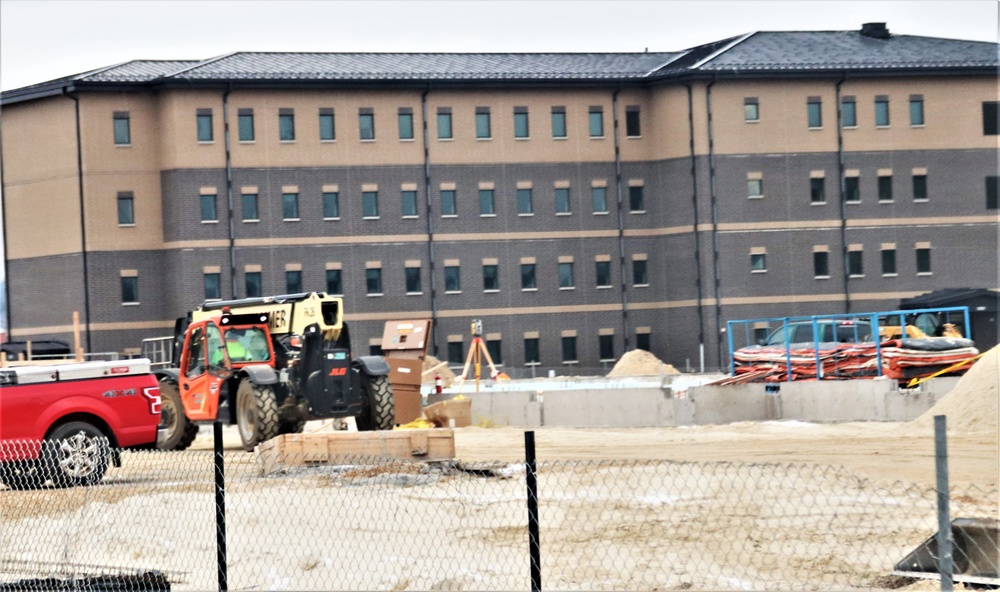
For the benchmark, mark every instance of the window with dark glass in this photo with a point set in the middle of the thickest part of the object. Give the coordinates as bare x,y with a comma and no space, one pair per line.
821,264
286,125
849,112
212,286
531,350
253,283
916,110
334,281
409,199
248,201
327,127
639,276
126,208
755,188
920,187
528,276
758,262
992,192
208,209
569,349
595,119
452,279
331,204
855,263
602,270
444,123
852,189
203,119
524,201
491,277
888,261
290,206
566,275
244,121
456,352
558,122
636,199
122,128
373,281
130,290
486,202
369,204
520,122
562,200
599,199
405,124
633,129
817,190
606,344
495,349
923,260
448,205
366,123
293,282
991,118
413,280
374,349
885,188
881,111
483,128
815,112
642,341
751,109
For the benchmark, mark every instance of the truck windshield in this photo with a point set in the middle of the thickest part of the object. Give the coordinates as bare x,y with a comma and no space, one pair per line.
247,345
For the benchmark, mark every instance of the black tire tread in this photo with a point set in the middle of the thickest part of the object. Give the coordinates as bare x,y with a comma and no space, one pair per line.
268,420
189,430
381,404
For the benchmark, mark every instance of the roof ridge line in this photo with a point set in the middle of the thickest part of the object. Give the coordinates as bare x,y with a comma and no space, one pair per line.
200,64
722,50
679,55
79,77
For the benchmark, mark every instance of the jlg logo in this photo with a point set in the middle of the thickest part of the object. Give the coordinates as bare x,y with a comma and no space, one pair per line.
338,372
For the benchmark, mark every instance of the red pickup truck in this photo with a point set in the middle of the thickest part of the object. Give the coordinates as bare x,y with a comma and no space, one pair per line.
66,423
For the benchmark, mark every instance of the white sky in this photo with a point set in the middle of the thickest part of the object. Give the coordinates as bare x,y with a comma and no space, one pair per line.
42,40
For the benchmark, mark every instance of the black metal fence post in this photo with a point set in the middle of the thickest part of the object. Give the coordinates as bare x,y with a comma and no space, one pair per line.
534,548
944,536
220,506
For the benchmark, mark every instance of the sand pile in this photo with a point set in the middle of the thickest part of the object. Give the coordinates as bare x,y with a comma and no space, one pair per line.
972,405
447,376
641,363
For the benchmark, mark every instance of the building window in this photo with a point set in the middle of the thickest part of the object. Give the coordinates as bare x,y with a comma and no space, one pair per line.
373,281
520,122
130,290
334,281
483,128
916,111
327,127
208,210
923,260
642,341
413,285
815,112
920,187
528,276
602,271
126,208
755,188
991,119
123,129
606,344
409,200
751,109
491,278
375,349
852,189
821,264
992,192
452,279
487,206
244,122
448,206
404,121
849,112
566,275
331,205
562,200
817,190
456,353
639,275
758,262
369,204
366,124
286,125
596,122
253,283
558,122
444,123
889,262
633,129
495,349
569,349
531,351
524,201
293,282
881,112
249,203
636,199
290,206
599,199
885,188
212,286
203,119
855,264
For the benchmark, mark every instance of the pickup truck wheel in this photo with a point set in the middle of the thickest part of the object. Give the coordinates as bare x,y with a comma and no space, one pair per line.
256,413
21,475
180,431
75,453
381,410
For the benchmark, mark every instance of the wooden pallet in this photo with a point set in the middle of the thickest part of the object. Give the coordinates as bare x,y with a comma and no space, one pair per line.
293,450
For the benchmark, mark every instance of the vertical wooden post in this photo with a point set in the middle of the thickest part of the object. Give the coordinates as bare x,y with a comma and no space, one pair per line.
77,351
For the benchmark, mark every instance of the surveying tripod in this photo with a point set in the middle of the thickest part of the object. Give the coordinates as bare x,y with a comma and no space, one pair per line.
476,352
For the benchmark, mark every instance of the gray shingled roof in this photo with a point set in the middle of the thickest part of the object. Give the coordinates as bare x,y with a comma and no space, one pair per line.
138,71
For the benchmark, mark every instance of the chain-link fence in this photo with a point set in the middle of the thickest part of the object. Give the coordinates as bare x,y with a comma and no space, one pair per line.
382,524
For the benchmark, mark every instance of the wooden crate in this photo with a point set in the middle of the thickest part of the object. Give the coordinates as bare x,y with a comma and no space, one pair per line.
290,450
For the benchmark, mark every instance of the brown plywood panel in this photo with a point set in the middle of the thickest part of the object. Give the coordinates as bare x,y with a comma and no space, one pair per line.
406,335
311,449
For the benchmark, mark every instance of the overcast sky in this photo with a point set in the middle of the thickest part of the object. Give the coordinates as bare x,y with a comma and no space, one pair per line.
42,40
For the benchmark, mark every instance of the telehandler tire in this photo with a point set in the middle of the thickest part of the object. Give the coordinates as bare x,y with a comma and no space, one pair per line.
381,412
256,413
181,431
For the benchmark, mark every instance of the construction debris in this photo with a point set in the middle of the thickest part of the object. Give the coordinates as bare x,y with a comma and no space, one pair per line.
641,363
